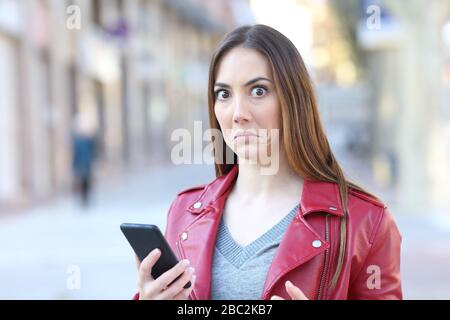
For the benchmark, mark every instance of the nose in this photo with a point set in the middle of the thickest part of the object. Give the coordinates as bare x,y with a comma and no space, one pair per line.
241,112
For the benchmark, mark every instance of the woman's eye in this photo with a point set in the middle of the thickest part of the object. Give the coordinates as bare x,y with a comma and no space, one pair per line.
222,94
258,91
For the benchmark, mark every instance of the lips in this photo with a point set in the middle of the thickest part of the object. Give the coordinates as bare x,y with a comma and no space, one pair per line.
245,134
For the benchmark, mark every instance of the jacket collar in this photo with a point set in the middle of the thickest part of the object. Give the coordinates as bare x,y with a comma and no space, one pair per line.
316,196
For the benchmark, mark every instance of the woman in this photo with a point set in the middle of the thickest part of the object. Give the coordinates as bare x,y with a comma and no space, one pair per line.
300,232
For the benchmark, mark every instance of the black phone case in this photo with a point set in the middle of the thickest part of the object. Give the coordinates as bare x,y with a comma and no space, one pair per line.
144,238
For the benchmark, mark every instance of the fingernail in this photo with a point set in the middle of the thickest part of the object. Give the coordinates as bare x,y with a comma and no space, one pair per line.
191,270
156,252
289,284
185,263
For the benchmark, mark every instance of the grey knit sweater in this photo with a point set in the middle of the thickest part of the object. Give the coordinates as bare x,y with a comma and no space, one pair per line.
240,272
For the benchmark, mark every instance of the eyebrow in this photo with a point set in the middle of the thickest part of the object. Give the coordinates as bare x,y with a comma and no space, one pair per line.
224,85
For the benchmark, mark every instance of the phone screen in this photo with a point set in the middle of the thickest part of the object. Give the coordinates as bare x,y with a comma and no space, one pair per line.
144,238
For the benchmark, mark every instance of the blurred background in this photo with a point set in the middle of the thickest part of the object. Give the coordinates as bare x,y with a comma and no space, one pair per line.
92,90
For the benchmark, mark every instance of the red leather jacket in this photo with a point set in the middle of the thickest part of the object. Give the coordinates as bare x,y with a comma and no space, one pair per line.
308,252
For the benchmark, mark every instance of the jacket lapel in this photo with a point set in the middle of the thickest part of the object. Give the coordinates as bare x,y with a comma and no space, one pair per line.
202,232
199,249
296,248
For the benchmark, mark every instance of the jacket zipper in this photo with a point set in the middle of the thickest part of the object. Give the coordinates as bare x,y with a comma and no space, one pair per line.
325,268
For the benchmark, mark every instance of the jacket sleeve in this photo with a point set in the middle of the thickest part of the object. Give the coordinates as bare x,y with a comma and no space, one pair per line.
379,278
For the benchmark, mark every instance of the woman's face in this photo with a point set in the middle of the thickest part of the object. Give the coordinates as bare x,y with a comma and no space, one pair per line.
246,104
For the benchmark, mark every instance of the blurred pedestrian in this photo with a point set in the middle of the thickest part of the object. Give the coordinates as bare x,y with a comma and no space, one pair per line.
84,154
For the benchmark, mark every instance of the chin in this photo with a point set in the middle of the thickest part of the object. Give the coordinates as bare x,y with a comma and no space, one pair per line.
247,153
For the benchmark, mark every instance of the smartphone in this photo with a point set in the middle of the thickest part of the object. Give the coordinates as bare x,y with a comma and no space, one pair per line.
144,238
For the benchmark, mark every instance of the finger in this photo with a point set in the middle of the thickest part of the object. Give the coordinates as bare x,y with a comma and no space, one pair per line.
294,292
184,295
178,286
276,298
170,275
145,269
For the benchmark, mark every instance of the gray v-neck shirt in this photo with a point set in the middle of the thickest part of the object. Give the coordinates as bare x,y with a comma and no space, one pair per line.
240,272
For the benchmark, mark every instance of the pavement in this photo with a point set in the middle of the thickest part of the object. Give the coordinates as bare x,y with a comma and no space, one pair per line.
61,251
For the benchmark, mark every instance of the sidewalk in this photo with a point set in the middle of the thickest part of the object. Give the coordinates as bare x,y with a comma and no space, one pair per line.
43,247
425,261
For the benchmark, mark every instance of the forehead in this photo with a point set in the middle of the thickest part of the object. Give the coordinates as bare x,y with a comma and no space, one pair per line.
242,64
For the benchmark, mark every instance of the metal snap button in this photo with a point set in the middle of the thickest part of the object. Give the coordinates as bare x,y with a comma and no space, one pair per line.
317,243
184,236
197,205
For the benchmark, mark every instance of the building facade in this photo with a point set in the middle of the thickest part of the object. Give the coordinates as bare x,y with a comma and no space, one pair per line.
137,68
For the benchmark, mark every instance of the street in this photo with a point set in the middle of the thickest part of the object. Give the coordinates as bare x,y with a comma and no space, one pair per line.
41,248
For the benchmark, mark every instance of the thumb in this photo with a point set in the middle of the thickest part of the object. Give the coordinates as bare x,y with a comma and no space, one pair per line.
145,269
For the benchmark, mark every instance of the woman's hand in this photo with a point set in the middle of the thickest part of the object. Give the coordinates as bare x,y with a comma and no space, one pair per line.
294,292
162,288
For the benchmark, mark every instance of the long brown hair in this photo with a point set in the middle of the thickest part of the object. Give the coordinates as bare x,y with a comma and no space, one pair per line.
303,138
